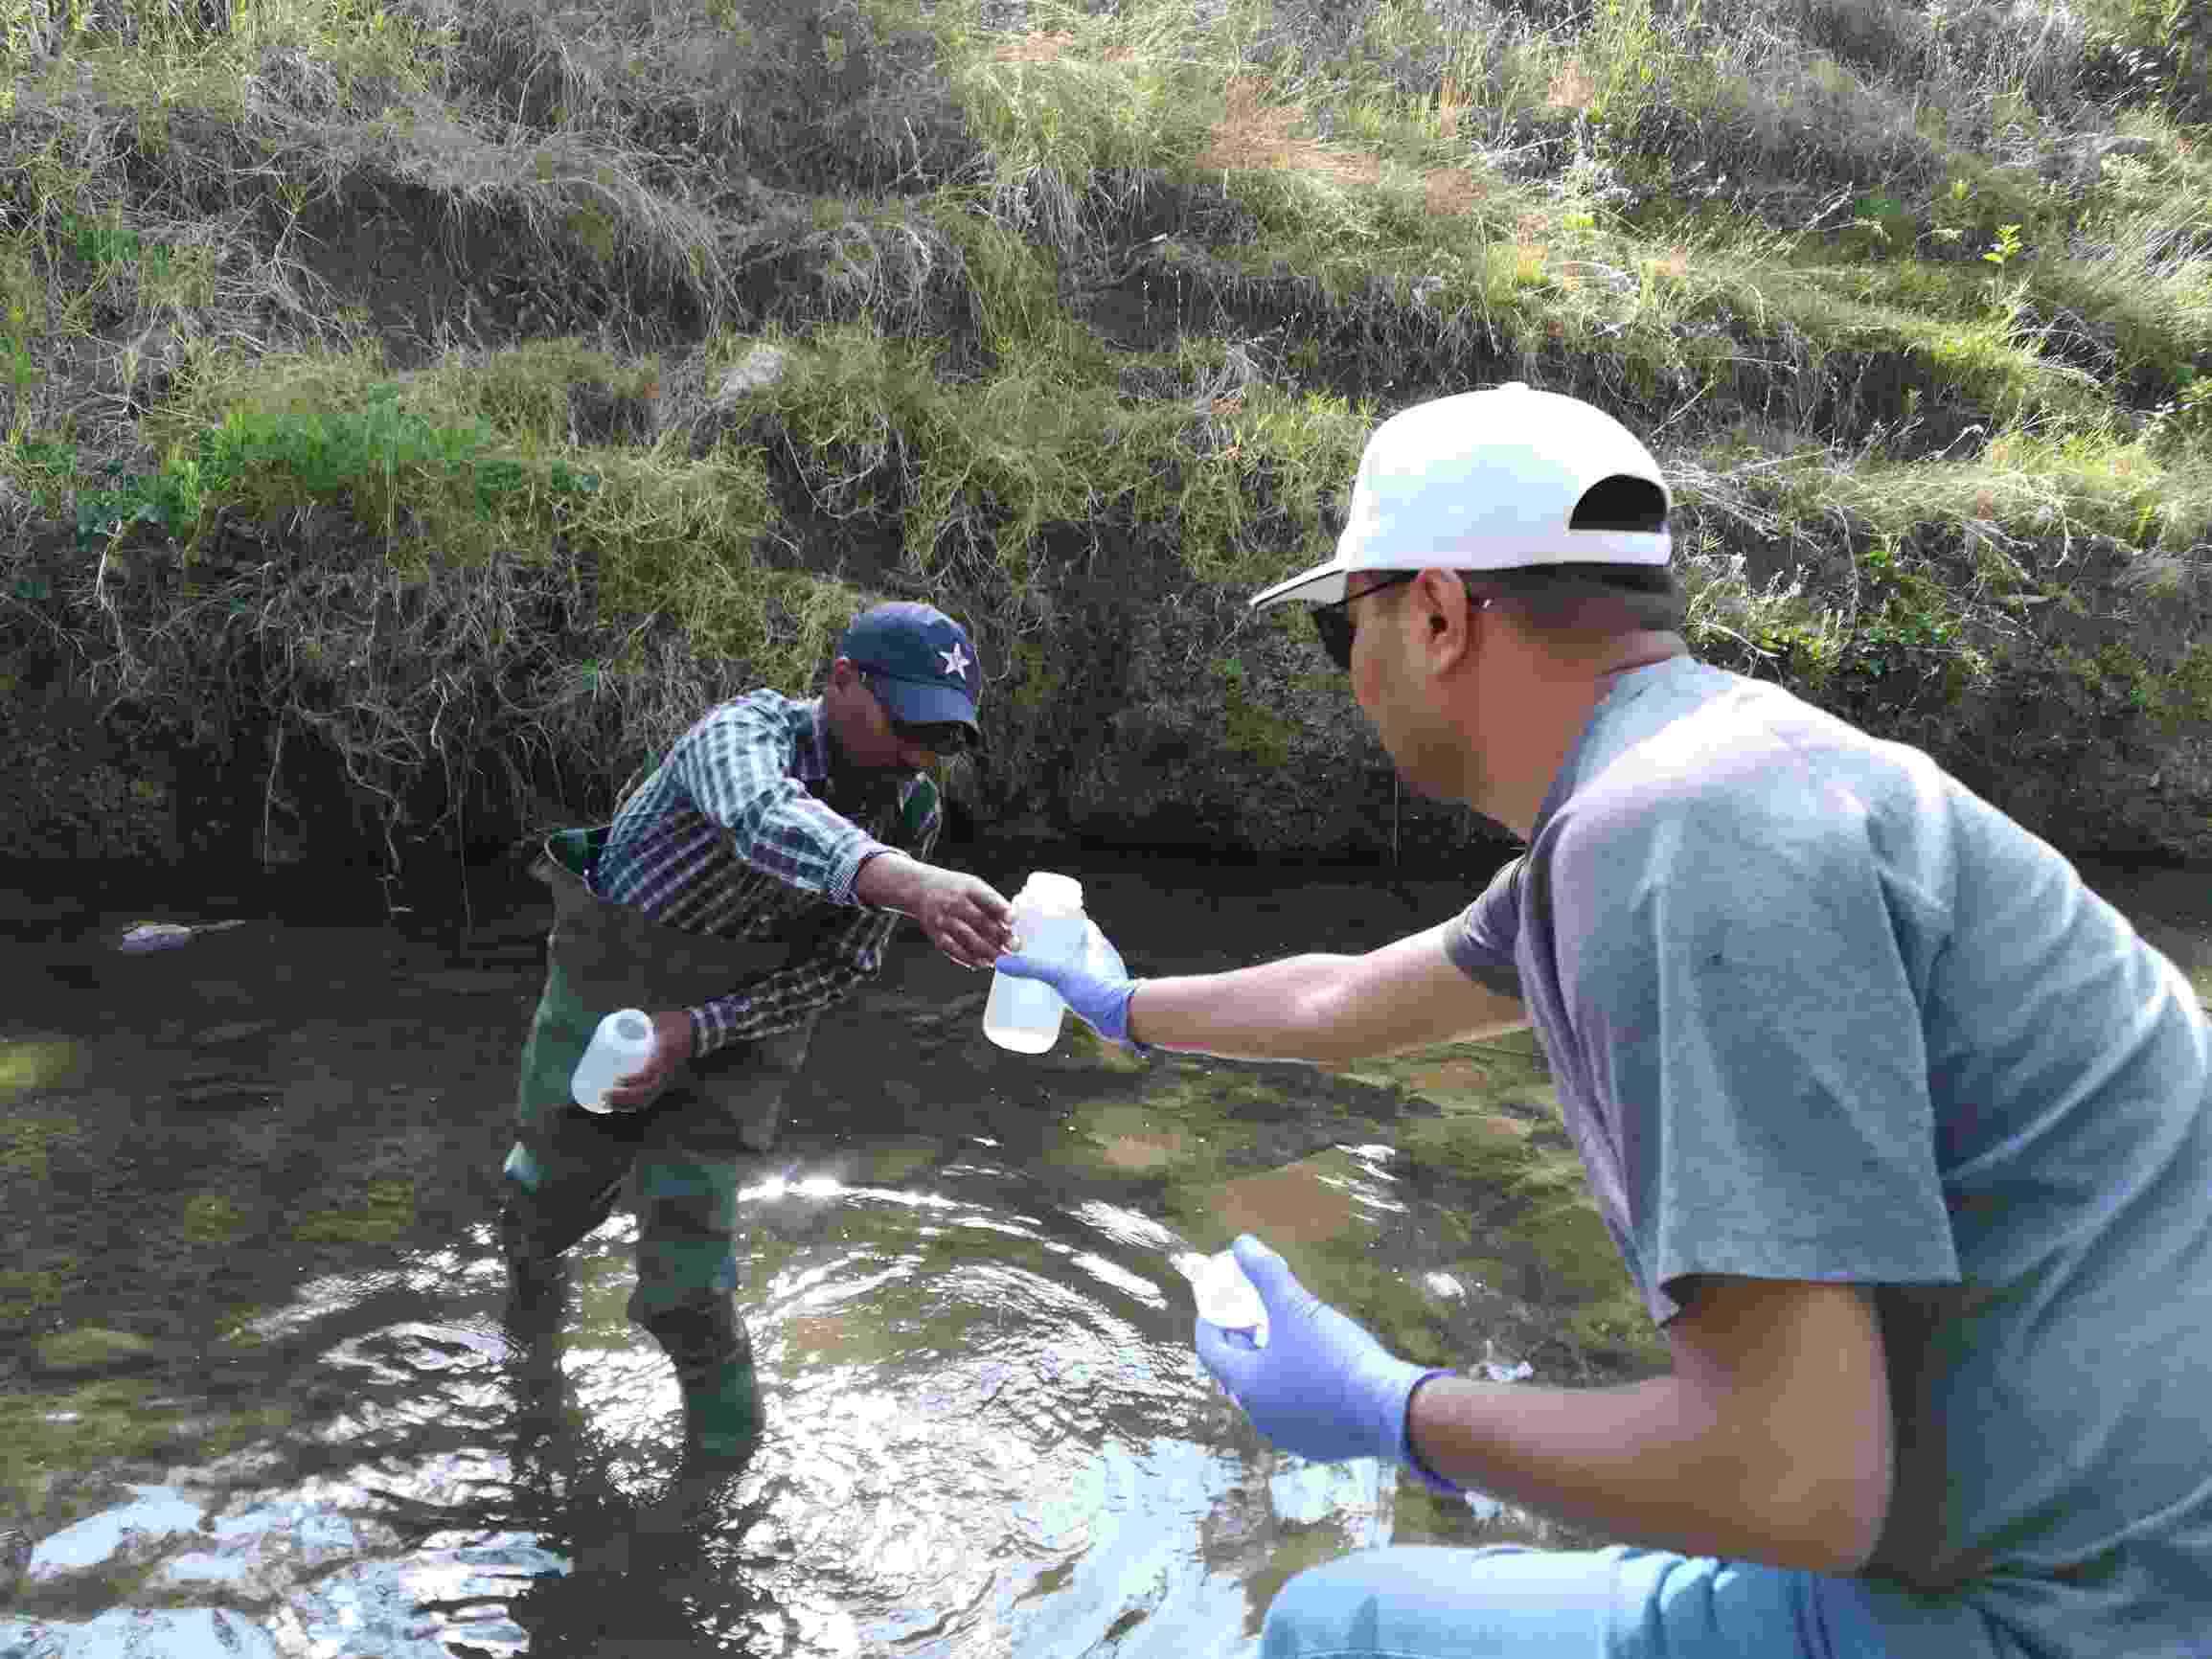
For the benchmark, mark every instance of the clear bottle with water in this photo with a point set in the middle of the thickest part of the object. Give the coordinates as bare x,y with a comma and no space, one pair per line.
1024,1014
622,1045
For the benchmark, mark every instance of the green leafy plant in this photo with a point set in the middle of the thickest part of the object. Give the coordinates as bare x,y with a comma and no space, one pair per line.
167,500
2005,247
17,366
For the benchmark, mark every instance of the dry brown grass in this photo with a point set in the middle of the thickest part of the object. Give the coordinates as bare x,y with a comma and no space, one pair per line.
1255,136
1043,47
1450,190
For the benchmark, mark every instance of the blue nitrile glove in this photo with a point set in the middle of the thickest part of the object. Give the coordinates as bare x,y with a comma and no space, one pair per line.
1322,1387
1098,989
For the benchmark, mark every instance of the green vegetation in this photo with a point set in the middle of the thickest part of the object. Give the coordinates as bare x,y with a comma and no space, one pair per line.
376,367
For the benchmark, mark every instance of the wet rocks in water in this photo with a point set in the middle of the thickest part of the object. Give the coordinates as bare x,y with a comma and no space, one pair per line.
234,1031
223,1088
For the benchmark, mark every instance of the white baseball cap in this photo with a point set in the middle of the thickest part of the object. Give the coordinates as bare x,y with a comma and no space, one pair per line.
1495,480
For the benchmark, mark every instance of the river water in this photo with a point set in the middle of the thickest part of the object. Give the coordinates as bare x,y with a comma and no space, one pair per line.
256,1396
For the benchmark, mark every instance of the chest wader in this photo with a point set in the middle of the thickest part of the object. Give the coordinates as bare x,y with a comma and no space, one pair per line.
717,1115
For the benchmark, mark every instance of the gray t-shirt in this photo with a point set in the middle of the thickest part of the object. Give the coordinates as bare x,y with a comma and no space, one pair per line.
1817,1011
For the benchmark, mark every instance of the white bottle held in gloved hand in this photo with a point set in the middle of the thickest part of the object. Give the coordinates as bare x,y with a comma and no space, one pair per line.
1226,1297
1024,1014
622,1045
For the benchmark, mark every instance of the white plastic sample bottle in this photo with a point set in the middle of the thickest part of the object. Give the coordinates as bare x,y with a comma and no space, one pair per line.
1024,1014
1226,1297
621,1044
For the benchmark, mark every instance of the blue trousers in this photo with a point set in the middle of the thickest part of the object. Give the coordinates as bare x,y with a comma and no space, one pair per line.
1421,1601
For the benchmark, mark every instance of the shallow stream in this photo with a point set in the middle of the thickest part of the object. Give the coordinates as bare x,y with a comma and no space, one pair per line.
255,1395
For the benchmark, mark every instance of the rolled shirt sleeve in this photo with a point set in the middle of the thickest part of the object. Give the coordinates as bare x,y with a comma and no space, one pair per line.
1482,945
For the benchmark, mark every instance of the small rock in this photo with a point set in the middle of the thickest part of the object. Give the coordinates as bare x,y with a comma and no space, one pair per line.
762,367
237,1031
237,1092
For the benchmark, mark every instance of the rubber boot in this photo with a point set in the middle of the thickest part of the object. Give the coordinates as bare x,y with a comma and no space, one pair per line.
713,1355
537,1307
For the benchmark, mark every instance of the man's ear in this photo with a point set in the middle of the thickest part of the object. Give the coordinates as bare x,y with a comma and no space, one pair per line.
1447,616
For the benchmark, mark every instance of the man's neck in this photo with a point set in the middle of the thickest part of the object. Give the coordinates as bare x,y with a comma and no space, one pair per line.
1542,757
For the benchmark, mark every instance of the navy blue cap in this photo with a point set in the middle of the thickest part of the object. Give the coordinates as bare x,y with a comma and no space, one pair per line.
920,662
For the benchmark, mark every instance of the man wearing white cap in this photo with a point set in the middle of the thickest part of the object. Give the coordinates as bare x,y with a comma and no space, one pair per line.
1903,1135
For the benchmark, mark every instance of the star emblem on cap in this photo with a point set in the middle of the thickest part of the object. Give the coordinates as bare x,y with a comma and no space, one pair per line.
957,661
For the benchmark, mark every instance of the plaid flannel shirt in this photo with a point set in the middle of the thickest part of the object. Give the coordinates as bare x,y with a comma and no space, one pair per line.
730,836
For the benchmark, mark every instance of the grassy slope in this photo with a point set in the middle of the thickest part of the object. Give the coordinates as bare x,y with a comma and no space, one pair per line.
368,369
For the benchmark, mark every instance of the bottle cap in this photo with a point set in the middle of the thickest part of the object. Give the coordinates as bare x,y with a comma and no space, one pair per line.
1053,892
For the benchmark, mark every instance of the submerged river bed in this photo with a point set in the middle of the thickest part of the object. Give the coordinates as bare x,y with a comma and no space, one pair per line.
256,1396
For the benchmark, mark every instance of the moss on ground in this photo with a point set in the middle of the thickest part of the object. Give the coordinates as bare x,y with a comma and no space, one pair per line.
120,1427
212,1218
28,1292
34,1064
384,1216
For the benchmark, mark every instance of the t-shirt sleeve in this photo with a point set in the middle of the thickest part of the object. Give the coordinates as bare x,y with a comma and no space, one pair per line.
1482,945
1738,994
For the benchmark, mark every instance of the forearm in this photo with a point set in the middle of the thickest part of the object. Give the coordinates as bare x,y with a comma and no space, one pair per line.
1278,1010
1652,1464
1324,1010
892,880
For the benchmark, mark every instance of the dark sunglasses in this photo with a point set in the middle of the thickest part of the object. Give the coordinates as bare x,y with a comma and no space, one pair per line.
938,737
1334,623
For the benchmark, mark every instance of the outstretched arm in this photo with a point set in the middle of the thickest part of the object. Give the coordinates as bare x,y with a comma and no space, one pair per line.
1406,995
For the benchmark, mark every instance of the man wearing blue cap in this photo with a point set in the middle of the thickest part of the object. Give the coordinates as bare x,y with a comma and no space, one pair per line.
749,883
1902,1133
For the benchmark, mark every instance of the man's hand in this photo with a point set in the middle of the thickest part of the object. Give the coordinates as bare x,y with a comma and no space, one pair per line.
1322,1387
672,1046
1099,1000
965,917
